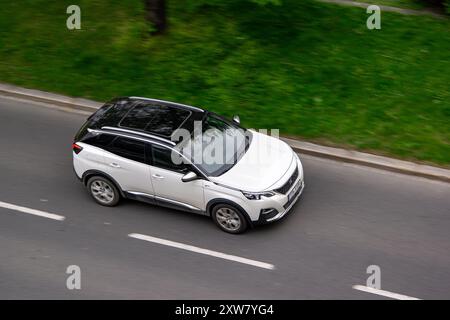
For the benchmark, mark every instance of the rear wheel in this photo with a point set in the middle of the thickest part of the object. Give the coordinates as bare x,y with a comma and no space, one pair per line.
103,191
229,218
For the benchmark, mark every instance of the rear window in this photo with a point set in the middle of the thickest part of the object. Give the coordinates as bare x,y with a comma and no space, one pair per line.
128,148
157,119
99,140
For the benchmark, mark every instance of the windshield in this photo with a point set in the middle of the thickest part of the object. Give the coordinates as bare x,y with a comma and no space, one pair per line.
216,144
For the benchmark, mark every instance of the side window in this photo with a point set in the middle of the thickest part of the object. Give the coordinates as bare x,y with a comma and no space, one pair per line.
162,158
128,148
99,140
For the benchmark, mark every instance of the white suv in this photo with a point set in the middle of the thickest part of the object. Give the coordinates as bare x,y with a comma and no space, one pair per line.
129,149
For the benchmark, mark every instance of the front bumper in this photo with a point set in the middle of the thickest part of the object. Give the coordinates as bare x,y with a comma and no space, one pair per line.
286,208
270,209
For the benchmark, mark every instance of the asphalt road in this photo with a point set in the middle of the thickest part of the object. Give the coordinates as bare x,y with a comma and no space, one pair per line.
348,218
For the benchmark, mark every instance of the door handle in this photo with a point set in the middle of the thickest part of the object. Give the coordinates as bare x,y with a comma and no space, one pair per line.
114,165
157,176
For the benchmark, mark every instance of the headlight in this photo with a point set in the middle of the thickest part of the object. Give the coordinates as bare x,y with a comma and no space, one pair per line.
257,195
300,166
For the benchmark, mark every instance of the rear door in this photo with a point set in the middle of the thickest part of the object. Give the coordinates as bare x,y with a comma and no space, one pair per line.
92,156
125,159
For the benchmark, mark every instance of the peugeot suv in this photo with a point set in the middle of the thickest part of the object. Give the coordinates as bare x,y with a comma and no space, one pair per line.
186,158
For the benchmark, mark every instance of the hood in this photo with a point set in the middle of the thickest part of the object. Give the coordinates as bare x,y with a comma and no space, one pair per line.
265,162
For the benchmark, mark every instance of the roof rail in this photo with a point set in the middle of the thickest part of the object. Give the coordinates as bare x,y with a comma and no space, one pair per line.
148,135
174,103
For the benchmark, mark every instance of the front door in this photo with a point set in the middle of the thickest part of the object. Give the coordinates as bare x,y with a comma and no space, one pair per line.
168,187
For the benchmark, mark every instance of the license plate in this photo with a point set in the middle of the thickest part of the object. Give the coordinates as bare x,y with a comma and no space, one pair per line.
294,191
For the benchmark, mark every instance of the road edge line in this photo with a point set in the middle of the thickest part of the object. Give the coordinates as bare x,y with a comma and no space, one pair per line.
338,154
386,8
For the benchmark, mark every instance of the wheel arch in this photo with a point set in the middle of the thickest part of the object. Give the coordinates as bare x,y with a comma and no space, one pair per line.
214,202
91,173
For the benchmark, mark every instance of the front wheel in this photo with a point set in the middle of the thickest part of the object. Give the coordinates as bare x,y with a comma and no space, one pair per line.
103,191
229,219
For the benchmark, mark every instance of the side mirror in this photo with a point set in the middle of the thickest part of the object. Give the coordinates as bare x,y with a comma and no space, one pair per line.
190,176
236,119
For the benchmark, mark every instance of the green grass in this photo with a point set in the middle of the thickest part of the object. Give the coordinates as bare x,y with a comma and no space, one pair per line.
311,69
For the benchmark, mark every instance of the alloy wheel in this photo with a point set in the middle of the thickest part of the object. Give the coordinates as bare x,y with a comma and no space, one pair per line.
102,191
228,219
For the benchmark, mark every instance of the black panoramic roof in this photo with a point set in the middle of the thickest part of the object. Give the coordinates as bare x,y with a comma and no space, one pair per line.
151,116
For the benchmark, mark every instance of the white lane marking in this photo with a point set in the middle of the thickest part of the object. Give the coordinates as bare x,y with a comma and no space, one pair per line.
31,211
212,253
384,293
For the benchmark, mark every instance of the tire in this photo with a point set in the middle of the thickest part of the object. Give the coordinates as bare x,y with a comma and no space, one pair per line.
103,191
229,218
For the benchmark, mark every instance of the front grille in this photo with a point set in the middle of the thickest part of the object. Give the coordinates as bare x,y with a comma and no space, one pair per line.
287,186
287,204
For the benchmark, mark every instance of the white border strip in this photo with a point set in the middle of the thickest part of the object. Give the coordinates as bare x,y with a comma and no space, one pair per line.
384,293
31,211
207,252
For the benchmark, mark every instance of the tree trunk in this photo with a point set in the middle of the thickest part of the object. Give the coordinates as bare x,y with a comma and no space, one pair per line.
156,14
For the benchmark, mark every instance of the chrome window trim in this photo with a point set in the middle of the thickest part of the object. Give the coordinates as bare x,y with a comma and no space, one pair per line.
139,133
119,134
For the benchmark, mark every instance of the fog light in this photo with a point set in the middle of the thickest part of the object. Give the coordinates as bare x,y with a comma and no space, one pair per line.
268,211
